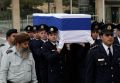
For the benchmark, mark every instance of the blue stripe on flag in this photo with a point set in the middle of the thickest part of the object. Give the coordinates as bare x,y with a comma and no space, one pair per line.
64,23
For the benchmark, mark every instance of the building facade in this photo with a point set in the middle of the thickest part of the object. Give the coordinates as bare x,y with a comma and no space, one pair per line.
112,8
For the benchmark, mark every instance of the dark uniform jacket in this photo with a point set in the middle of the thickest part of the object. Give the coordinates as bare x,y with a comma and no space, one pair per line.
99,68
40,62
97,42
55,63
116,40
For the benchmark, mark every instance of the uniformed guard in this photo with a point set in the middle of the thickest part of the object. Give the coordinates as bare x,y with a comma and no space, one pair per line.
103,61
53,57
10,34
36,46
95,28
17,65
30,31
117,38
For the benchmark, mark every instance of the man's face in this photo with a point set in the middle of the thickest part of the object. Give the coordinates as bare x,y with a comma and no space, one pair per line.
25,45
43,35
11,38
118,33
31,34
24,49
107,39
94,34
52,37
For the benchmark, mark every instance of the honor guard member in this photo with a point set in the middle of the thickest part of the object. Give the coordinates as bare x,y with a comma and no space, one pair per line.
103,61
30,31
17,65
40,61
53,57
117,38
95,33
10,34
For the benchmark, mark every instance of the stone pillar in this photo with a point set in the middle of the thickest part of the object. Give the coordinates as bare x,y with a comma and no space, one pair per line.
16,14
59,6
100,10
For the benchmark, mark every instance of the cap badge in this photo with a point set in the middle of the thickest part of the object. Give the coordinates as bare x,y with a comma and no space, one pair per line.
34,28
96,26
109,27
51,29
28,28
42,27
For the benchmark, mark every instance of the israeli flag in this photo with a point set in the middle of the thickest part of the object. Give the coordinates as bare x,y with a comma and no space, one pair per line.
73,28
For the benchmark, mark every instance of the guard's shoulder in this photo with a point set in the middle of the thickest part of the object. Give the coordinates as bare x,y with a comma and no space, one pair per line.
94,47
9,51
1,45
118,45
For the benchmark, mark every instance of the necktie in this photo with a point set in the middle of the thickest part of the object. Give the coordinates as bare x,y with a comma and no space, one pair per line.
110,54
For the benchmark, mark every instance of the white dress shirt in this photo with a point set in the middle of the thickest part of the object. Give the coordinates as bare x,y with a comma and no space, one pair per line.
106,48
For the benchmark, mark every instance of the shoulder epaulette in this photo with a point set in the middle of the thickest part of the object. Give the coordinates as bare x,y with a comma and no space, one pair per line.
2,45
94,46
9,51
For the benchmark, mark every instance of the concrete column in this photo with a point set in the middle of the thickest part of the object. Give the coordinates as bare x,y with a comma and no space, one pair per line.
59,6
16,14
100,10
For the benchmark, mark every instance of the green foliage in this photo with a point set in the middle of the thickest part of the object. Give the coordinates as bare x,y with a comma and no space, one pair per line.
5,15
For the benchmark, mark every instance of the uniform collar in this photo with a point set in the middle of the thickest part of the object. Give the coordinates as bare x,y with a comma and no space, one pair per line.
7,44
118,39
106,48
55,43
44,40
15,51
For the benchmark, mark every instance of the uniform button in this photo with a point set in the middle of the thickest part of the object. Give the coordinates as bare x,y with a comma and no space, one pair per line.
111,68
61,67
51,70
105,63
112,75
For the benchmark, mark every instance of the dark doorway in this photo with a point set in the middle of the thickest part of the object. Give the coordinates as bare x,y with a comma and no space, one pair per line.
115,14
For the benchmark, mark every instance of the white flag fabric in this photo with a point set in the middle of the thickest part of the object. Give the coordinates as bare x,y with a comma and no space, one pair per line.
73,28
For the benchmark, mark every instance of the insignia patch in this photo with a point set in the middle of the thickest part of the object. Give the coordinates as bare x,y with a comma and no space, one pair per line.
101,59
2,45
94,46
9,51
53,50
